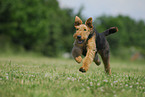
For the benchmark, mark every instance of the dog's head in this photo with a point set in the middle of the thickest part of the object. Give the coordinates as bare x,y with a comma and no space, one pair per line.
82,30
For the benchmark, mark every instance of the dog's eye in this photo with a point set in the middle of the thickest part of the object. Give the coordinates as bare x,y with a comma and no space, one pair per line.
77,29
84,29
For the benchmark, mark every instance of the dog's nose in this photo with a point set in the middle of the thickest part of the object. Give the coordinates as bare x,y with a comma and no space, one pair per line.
79,37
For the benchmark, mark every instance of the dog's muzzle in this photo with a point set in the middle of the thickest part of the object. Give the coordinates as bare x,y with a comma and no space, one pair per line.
80,41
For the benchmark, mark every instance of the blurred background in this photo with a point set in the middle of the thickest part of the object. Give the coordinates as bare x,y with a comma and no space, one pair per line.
46,26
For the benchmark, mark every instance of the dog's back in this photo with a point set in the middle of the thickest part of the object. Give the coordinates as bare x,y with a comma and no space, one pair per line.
101,42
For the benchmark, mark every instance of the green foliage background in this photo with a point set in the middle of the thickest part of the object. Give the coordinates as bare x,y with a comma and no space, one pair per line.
42,26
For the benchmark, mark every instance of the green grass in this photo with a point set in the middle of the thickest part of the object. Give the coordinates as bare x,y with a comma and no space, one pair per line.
50,77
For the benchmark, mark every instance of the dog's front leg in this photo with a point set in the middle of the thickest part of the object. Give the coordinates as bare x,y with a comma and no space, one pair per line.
91,50
88,60
76,53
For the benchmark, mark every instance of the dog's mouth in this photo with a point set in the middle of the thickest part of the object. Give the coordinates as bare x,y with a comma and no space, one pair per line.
80,41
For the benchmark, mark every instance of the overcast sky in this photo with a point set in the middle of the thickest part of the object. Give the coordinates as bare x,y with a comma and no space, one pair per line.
94,8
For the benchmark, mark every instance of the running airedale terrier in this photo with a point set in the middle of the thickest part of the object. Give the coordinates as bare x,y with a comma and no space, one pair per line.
89,42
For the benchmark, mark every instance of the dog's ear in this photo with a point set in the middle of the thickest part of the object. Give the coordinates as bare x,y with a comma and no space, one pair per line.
89,22
78,21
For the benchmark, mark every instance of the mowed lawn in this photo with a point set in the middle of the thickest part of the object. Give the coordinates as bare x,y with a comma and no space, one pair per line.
50,77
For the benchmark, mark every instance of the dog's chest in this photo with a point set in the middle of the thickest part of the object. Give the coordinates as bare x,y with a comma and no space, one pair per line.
84,50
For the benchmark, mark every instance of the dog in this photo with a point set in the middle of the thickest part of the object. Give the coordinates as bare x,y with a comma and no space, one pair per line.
89,42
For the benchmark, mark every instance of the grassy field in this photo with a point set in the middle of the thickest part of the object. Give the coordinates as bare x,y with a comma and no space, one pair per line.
49,77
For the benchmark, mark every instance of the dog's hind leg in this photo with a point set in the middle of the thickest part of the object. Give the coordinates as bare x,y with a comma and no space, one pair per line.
96,60
76,53
105,57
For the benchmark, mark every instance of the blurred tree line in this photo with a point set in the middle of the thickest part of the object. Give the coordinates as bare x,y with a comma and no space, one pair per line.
129,39
38,25
42,26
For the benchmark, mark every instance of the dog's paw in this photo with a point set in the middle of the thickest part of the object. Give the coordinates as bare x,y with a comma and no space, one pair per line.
82,70
78,59
98,63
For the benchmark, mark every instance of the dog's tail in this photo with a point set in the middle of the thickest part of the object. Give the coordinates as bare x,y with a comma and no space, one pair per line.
110,31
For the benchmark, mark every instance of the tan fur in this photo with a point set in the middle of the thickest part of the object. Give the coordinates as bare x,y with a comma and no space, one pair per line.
91,50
